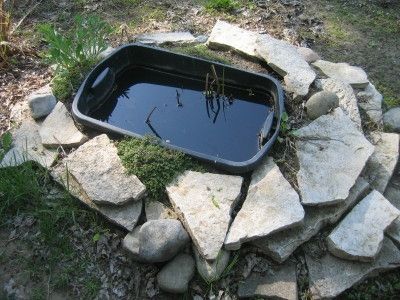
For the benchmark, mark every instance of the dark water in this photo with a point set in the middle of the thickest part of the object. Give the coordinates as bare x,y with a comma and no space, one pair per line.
226,127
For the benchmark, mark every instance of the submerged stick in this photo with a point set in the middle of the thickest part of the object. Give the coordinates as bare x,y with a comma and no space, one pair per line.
216,78
149,115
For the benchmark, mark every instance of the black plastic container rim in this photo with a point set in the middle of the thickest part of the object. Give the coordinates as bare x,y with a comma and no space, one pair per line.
228,165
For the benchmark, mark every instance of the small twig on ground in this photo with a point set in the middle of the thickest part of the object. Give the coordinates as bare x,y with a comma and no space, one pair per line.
149,115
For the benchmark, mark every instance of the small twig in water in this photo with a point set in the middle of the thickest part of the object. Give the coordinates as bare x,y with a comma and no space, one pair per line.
178,97
149,115
216,79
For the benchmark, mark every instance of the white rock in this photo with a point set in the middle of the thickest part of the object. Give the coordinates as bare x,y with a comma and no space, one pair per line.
381,164
41,102
355,76
391,119
59,129
156,210
27,146
211,271
160,38
347,99
308,54
286,61
281,245
370,101
131,243
330,276
99,171
332,153
279,283
271,205
359,235
231,37
204,203
125,216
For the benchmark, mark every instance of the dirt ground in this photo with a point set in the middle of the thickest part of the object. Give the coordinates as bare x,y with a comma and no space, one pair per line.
364,33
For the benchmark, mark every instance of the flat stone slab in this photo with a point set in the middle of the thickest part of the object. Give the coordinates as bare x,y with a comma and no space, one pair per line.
347,99
359,235
281,245
160,38
279,283
58,129
99,171
211,271
355,76
330,276
285,59
332,153
27,146
381,164
125,216
370,101
204,202
230,37
41,102
271,205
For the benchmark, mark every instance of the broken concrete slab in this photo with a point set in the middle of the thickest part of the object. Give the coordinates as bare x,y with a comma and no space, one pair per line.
287,62
279,283
161,38
355,76
359,235
125,216
27,146
98,169
281,245
271,205
203,202
332,153
380,166
230,37
330,276
347,99
58,129
370,101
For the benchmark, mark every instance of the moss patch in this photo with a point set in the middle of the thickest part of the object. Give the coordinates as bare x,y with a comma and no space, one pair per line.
203,52
153,164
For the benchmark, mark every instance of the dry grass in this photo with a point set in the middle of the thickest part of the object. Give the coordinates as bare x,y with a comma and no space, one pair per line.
5,22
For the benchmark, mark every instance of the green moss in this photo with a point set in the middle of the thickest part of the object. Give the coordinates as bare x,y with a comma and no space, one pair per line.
153,164
222,5
203,52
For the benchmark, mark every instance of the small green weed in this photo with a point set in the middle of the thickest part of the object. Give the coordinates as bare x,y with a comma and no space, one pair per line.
5,144
154,165
222,5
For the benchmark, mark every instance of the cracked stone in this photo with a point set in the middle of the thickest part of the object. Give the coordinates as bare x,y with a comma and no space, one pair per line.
370,101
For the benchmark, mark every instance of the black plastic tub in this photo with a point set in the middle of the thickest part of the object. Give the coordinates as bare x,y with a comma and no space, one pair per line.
214,112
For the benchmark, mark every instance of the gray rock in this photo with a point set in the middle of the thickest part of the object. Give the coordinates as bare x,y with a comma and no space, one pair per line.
281,245
359,235
391,119
321,103
59,129
392,193
347,99
176,275
211,271
271,205
160,240
125,216
201,39
27,146
106,53
204,203
155,210
332,153
99,171
355,76
286,61
230,37
279,283
381,164
370,101
330,276
161,38
41,102
308,54
394,230
132,244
